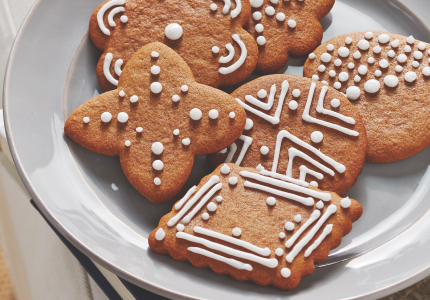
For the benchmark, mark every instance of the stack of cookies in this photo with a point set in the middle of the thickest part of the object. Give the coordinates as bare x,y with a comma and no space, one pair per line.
285,149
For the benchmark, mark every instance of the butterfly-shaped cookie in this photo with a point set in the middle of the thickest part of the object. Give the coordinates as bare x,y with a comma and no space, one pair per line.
387,78
285,27
300,129
255,227
157,121
208,36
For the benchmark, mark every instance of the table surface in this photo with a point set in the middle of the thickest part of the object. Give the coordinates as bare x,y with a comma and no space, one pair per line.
13,12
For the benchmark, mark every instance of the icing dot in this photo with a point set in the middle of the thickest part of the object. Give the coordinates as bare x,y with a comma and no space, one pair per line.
363,45
357,78
395,43
257,15
337,85
157,148
415,64
377,49
408,49
335,103
225,169
337,62
384,38
292,24
296,93
133,99
351,65
426,71
274,1
281,235
121,93
196,114
236,231
325,57
158,165
232,115
270,11
155,70
180,227
122,117
261,40
314,183
127,143
343,52
232,180
173,31
213,7
262,93
280,17
368,35
139,129
398,68
155,54
184,88
317,137
391,81
176,132
156,87
315,77
391,53
86,120
175,98
357,54
279,252
384,64
348,40
378,73
293,105
271,201
370,60
213,114
157,181
330,47
219,199
421,46
124,19
353,93
264,150
256,3
410,39
289,226
298,218
312,55
106,117
205,216
325,82
343,76
402,58
410,76
372,86
212,207
285,272
259,27
160,234
320,204
215,49
332,73
249,123
418,55
321,68
186,141
345,202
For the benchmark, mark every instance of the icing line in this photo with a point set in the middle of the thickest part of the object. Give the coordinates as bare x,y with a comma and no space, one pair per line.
260,104
240,61
229,57
106,68
247,141
185,198
284,177
318,241
320,108
293,152
305,170
233,148
202,202
314,216
112,13
235,12
102,11
118,65
229,261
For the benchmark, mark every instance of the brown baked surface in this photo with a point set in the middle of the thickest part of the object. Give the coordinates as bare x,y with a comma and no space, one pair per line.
345,149
261,224
202,29
281,40
396,119
159,116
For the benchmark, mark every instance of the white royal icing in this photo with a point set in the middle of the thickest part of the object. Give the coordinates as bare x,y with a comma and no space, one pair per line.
158,165
157,148
240,61
391,80
297,218
283,177
156,87
157,181
225,169
249,124
86,120
327,230
289,226
229,261
106,117
345,202
264,150
112,13
410,76
213,114
372,86
160,234
271,201
196,114
103,10
212,207
230,56
201,203
186,141
122,117
185,198
117,67
235,12
173,31
314,216
232,180
226,8
106,68
238,232
320,205
317,137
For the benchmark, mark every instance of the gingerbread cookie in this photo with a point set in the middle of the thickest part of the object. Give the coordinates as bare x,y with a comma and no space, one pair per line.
157,121
283,28
255,227
299,130
208,36
387,78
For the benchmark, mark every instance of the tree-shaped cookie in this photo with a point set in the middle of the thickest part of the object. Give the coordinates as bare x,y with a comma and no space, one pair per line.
157,121
207,35
285,27
387,78
300,129
255,227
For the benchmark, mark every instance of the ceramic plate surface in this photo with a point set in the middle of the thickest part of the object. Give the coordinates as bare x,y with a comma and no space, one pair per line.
88,199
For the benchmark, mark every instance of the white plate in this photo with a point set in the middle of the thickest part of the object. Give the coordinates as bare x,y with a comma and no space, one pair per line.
88,199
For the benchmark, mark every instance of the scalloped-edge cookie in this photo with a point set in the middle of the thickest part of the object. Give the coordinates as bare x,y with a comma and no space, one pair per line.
157,121
255,227
386,77
208,36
